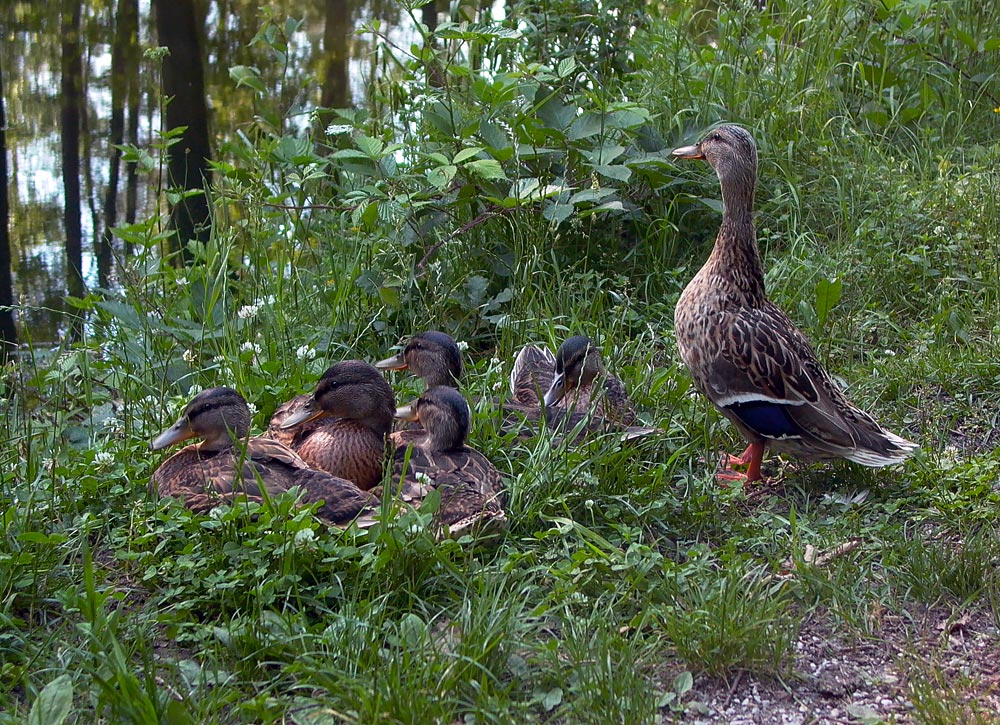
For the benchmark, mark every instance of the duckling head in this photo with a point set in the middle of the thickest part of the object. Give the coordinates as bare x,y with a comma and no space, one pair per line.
444,414
350,389
578,362
432,356
219,416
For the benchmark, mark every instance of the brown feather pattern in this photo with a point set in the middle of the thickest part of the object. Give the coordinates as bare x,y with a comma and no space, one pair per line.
437,458
352,407
744,351
228,466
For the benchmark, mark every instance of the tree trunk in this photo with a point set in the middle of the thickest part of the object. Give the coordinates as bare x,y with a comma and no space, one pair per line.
336,52
119,92
8,332
128,23
184,85
72,91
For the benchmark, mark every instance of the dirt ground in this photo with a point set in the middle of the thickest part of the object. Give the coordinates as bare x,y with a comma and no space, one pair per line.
953,659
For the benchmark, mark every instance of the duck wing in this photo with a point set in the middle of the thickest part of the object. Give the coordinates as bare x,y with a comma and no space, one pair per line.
532,374
767,379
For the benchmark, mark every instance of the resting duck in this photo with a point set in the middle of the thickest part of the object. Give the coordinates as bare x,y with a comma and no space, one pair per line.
432,356
436,457
342,427
577,390
747,356
219,470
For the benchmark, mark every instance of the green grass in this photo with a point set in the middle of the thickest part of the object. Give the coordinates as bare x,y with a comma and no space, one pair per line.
625,566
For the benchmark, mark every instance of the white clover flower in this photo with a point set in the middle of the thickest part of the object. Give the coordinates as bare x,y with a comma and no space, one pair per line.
269,300
216,513
423,478
304,536
890,353
247,312
189,356
938,230
194,390
253,347
103,459
305,352
253,409
462,345
181,281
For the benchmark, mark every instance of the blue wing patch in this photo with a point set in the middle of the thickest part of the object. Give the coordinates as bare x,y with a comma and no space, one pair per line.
770,420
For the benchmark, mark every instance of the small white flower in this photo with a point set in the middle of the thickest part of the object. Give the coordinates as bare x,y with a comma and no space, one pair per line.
189,356
938,230
194,390
890,353
253,347
305,352
47,463
113,423
247,312
216,513
103,458
253,409
304,536
182,281
423,478
269,300
462,345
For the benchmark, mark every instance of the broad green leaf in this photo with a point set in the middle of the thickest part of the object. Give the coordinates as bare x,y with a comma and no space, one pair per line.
589,124
53,703
466,154
590,195
615,171
827,296
485,169
441,176
373,147
992,44
248,76
566,67
557,213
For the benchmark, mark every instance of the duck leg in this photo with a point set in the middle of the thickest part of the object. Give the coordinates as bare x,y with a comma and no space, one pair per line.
751,458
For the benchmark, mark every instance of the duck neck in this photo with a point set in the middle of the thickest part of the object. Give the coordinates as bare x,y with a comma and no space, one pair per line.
736,246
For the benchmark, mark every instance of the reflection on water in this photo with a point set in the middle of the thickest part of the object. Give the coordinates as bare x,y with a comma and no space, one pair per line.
31,66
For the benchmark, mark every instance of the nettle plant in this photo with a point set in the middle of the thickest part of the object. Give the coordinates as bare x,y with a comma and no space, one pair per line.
469,146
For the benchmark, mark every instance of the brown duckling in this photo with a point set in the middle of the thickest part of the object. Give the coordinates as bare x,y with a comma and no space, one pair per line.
432,356
219,469
437,457
571,390
581,380
342,427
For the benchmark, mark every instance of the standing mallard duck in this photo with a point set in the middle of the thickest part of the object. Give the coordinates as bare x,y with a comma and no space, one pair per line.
432,356
747,356
218,469
437,457
342,427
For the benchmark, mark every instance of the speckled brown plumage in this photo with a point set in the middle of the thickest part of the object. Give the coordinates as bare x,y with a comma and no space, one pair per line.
228,466
746,355
342,427
437,457
578,392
